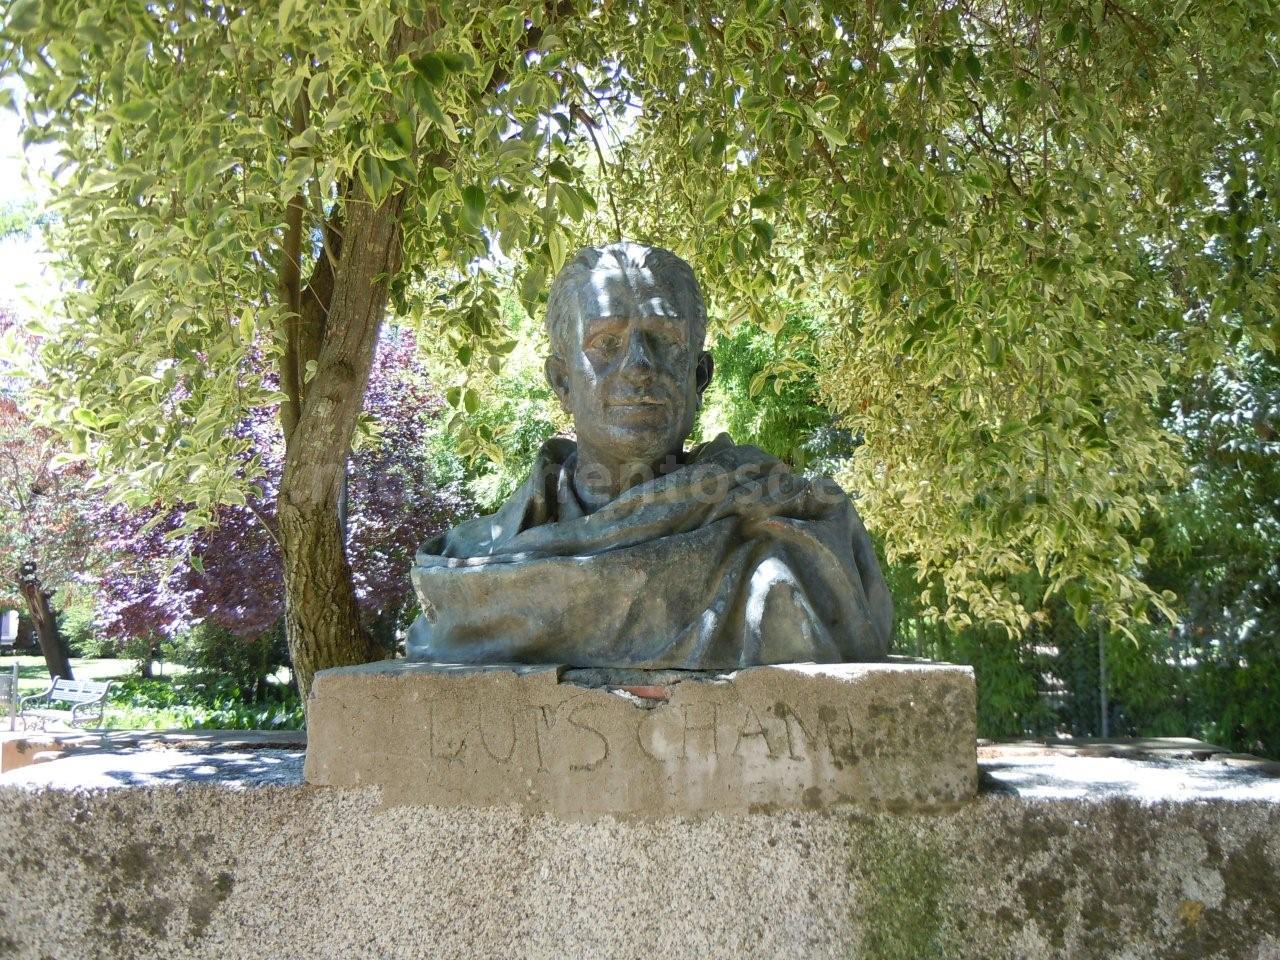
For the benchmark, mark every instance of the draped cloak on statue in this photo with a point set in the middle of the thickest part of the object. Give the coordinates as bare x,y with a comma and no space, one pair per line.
728,561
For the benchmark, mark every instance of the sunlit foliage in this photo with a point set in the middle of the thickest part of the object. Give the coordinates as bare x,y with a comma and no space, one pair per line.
1013,222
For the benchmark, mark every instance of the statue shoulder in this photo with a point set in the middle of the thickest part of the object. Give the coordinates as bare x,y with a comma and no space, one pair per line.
532,504
722,450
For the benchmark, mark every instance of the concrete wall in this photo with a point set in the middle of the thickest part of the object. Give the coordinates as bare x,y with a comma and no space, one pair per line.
172,867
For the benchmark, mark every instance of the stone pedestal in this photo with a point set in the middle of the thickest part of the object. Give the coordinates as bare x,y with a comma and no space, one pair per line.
649,743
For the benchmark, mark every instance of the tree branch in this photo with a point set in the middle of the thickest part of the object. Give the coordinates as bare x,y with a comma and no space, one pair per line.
318,294
265,526
291,296
604,175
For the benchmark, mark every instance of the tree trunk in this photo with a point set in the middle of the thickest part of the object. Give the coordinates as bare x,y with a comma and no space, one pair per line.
45,621
144,665
321,616
335,322
322,621
26,632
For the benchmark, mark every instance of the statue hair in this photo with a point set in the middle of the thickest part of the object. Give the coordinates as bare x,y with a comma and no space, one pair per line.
660,268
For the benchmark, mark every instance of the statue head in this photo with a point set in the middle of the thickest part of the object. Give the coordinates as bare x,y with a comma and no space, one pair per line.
627,324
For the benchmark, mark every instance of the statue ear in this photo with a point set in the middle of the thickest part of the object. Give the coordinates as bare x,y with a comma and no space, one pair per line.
558,377
702,376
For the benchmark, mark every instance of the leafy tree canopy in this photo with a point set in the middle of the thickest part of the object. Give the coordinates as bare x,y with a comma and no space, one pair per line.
1016,222
1013,222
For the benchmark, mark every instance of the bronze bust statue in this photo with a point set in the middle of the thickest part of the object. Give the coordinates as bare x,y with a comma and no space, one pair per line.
624,549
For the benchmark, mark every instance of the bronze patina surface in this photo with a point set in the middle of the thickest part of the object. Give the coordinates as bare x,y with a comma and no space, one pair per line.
624,548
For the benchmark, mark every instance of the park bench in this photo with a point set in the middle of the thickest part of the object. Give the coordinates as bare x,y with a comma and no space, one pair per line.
87,699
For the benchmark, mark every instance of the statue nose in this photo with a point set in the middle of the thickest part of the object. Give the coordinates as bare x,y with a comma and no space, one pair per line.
637,362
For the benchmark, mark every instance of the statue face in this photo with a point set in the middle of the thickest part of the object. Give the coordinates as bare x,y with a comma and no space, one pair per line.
633,378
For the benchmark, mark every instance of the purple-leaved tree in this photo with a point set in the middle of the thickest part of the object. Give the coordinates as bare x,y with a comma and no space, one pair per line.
156,584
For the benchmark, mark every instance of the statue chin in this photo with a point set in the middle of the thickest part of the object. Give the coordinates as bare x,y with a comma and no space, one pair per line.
635,442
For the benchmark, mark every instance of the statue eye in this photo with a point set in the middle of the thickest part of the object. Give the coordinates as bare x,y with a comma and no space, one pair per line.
606,343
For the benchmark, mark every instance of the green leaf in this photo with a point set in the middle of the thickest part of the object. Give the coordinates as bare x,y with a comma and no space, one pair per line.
993,350
428,102
448,129
473,204
435,201
697,42
1080,612
24,16
763,231
456,62
286,11
375,177
972,65
316,88
402,133
569,200
557,249
431,67
532,286
558,168
297,173
137,111
715,210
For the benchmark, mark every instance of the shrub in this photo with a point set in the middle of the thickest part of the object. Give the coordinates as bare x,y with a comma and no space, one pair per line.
76,621
217,656
187,703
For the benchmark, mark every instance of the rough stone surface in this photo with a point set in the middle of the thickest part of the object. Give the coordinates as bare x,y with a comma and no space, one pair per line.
801,736
181,869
